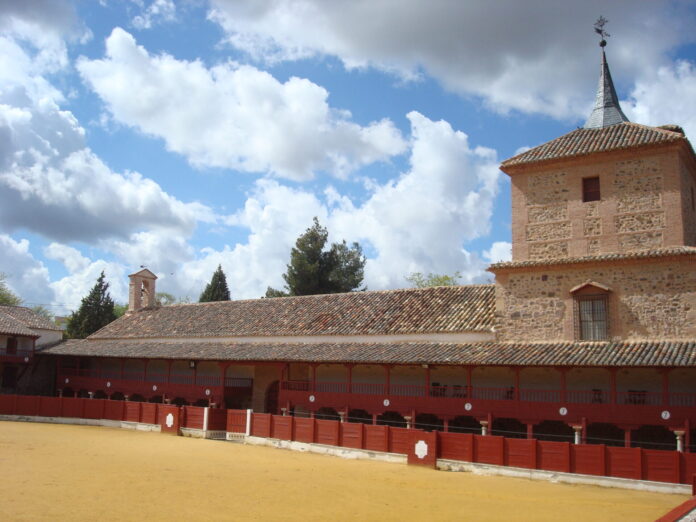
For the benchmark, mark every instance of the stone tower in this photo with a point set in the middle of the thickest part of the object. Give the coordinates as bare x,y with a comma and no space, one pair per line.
141,291
603,233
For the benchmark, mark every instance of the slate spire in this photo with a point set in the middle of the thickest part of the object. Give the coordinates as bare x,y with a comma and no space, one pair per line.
607,110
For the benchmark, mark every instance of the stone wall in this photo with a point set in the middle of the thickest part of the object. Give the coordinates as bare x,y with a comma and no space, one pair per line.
650,299
642,207
688,180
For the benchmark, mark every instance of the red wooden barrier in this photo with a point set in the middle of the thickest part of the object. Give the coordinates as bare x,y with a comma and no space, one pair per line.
192,417
132,411
217,419
282,427
352,435
457,446
327,432
114,410
149,412
688,468
94,409
520,453
72,407
553,456
400,440
26,405
660,465
489,449
236,421
304,430
49,407
588,459
261,424
422,448
169,417
624,462
376,438
7,404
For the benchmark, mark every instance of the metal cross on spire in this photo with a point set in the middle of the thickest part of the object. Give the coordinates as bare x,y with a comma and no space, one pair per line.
599,29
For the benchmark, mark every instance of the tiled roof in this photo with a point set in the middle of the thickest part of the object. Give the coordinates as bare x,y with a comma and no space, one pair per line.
427,310
620,353
11,326
644,254
29,317
582,142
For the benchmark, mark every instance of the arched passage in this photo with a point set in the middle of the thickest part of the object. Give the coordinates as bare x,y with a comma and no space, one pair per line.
428,422
604,433
464,424
99,394
326,414
359,416
554,430
653,437
271,402
137,398
391,418
511,428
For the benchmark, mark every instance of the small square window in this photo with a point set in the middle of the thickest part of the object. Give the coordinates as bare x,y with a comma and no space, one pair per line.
590,189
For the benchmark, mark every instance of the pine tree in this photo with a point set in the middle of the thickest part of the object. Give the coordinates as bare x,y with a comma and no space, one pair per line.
312,270
217,289
95,312
7,296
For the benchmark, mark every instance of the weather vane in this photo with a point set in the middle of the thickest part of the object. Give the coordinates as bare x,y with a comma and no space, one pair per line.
599,29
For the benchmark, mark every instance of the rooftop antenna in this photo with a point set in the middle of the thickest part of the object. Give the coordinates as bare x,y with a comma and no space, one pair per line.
599,29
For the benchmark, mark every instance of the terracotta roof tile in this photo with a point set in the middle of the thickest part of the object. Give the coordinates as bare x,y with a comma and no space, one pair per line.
28,317
582,142
427,310
643,254
11,326
574,353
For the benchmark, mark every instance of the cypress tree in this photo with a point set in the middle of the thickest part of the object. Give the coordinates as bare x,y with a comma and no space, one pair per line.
217,289
95,312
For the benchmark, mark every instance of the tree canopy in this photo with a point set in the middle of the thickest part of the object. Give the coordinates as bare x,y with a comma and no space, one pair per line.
95,312
314,270
419,280
217,289
7,296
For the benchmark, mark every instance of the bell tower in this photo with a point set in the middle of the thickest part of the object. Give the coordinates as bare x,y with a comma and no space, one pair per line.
141,290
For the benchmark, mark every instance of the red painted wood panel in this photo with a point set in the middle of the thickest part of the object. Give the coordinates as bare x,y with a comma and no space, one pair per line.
282,427
623,462
327,432
304,430
113,410
376,438
7,404
688,467
553,456
520,453
27,405
193,417
94,409
72,407
400,440
422,449
217,419
261,424
236,421
457,446
352,435
489,449
149,413
587,459
132,413
660,465
49,407
169,418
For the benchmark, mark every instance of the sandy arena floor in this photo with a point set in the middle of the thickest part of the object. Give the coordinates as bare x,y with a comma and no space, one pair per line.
56,472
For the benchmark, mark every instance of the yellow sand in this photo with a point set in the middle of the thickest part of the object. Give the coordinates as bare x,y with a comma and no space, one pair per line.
54,472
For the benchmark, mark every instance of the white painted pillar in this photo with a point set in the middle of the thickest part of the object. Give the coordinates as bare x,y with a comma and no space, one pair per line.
248,423
205,419
680,440
408,419
91,395
484,428
342,416
578,434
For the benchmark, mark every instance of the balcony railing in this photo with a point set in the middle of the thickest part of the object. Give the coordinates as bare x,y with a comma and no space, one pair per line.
4,352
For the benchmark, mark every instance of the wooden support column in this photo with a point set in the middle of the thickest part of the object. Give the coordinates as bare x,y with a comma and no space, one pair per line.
121,360
469,385
349,387
564,388
445,425
387,370
530,430
427,380
612,381
516,370
627,437
169,370
314,377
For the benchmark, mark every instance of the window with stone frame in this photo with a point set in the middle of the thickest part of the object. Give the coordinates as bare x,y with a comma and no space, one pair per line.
590,189
591,304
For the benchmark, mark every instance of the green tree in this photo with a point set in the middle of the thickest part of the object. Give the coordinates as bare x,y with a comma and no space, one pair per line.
164,299
314,270
419,280
217,289
7,296
120,309
43,312
95,312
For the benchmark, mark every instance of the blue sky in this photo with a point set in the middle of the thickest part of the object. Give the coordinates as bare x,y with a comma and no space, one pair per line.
183,135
